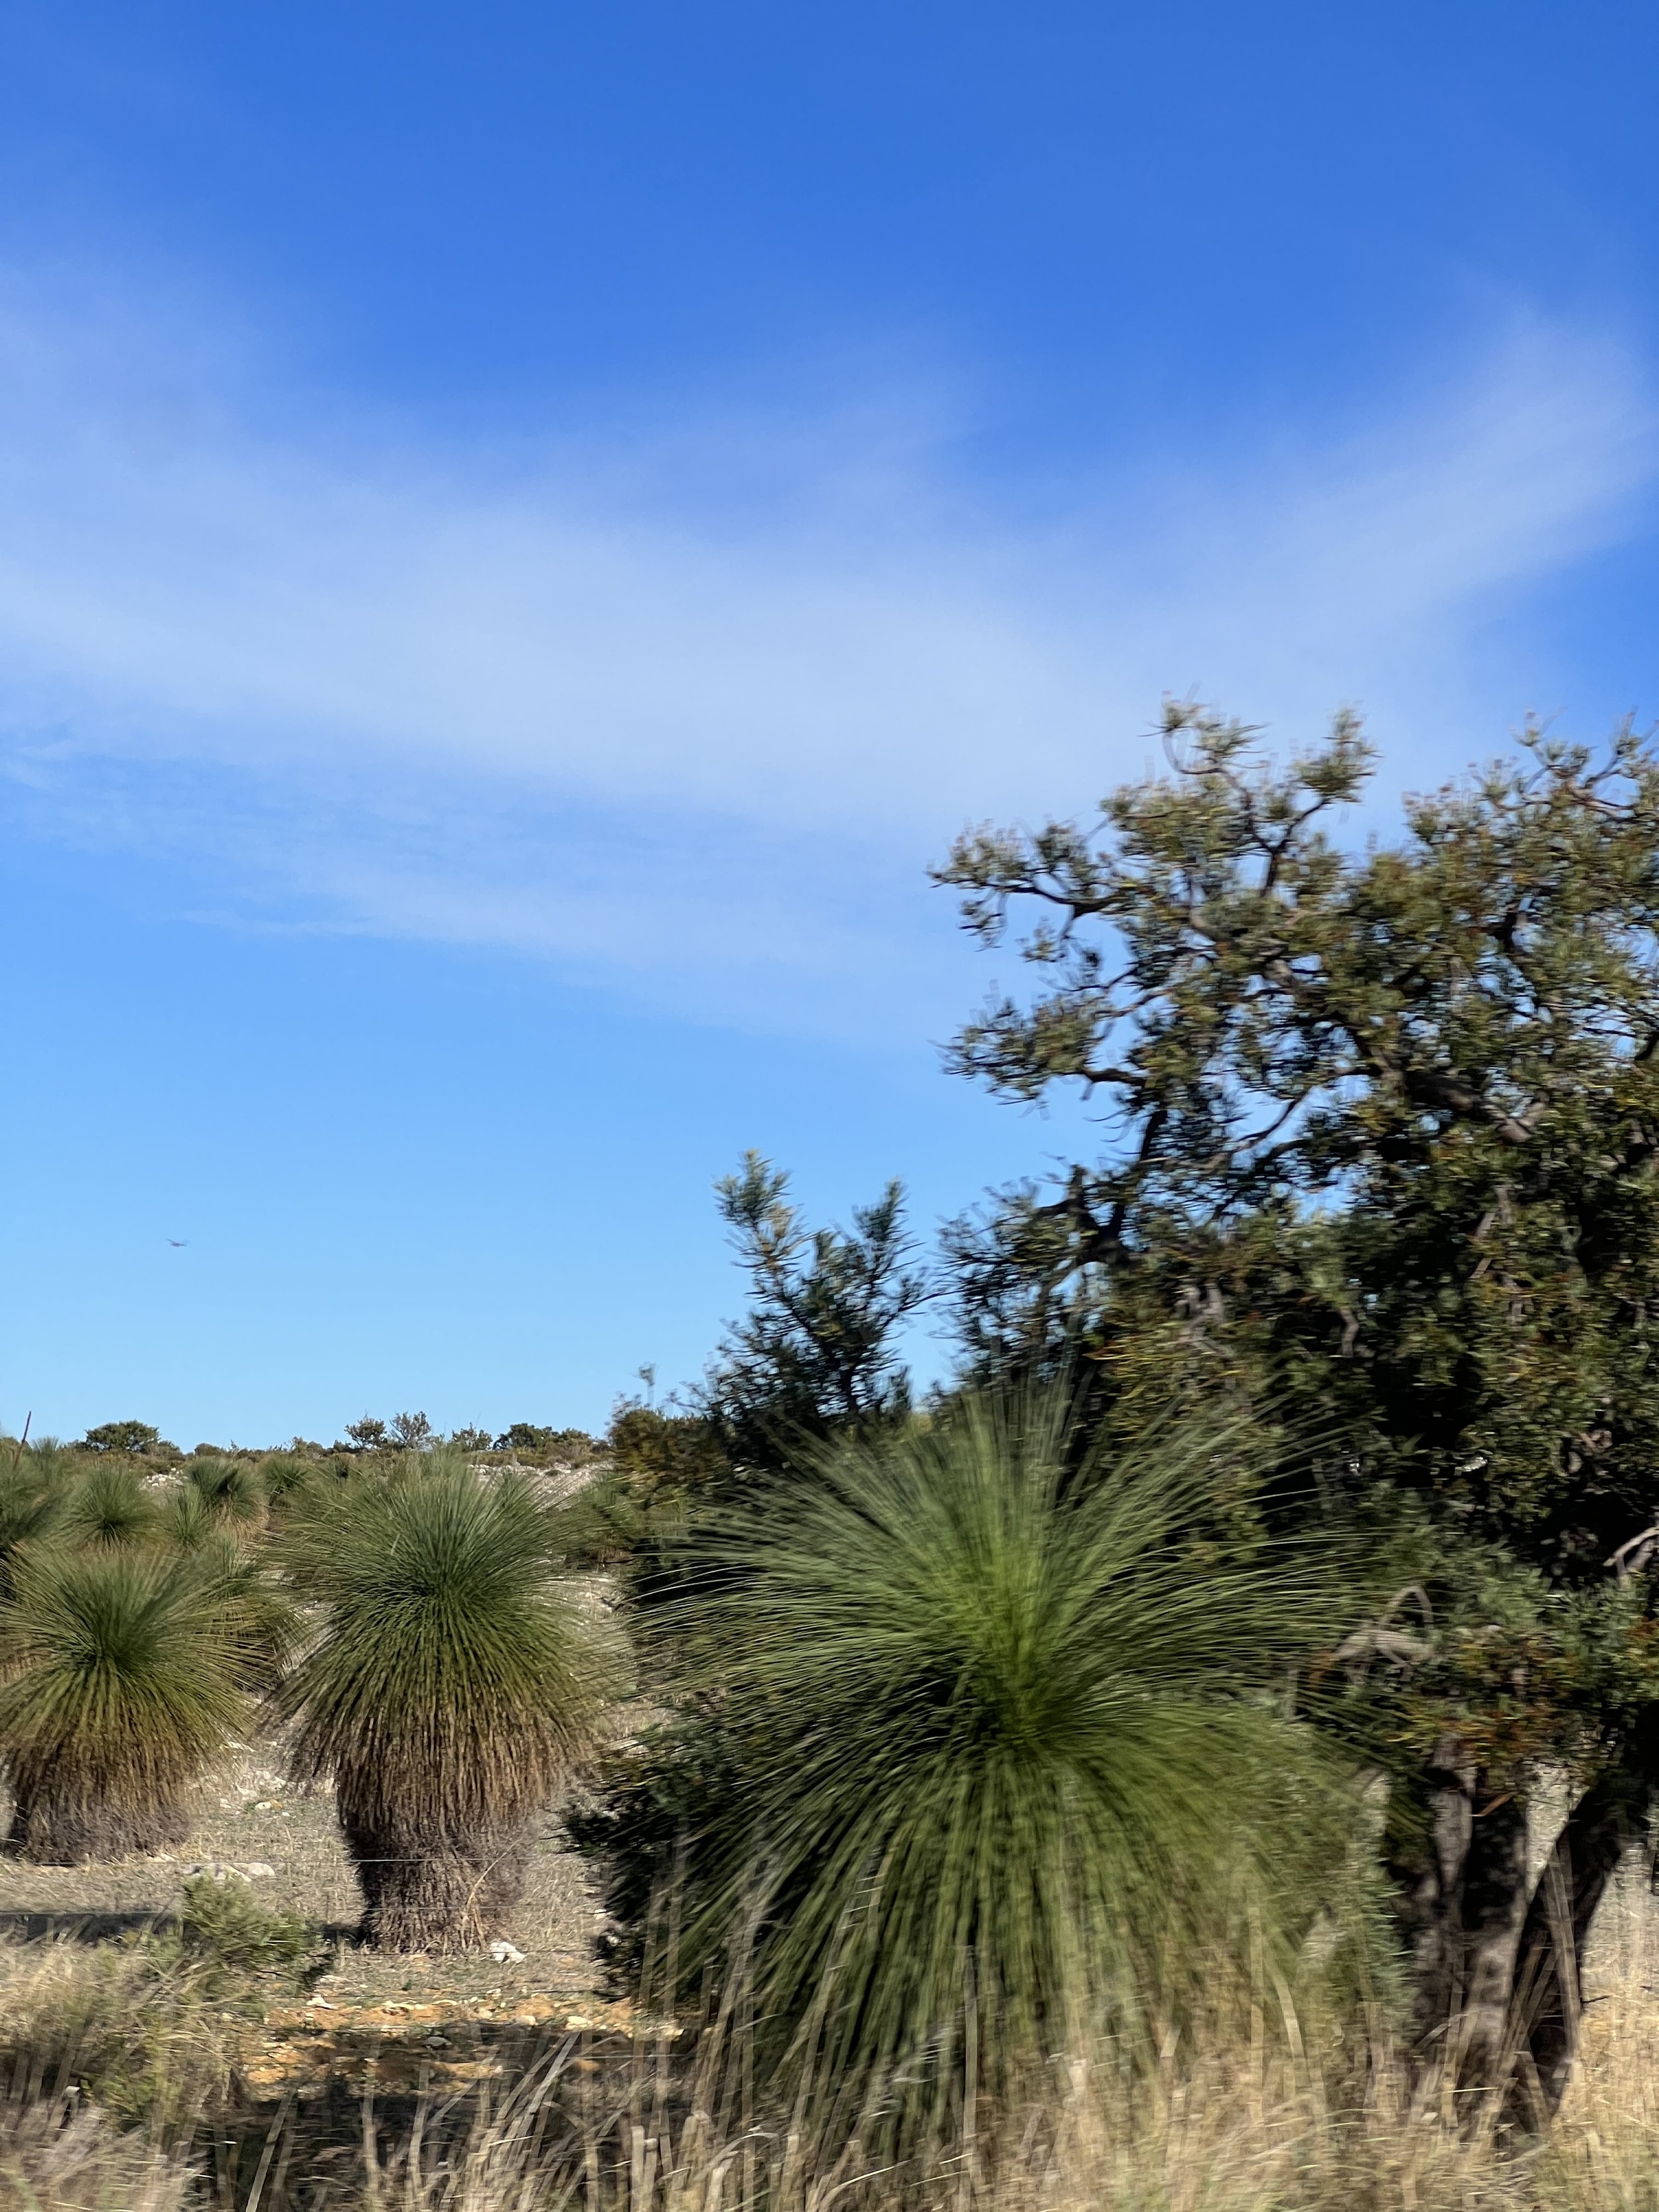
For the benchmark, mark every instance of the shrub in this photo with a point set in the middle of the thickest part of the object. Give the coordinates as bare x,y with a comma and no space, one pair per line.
186,1519
226,1923
255,1621
31,1505
529,1440
282,1474
453,1684
231,1490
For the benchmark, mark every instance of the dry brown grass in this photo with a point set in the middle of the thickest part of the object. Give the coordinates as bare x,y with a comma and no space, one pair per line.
405,2095
1264,2115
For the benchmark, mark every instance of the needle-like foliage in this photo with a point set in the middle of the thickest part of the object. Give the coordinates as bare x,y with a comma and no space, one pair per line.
115,1691
999,1736
110,1508
30,1504
187,1521
232,1491
453,1685
256,1620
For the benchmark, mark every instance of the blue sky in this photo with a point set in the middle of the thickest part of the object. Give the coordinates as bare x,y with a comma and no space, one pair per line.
523,528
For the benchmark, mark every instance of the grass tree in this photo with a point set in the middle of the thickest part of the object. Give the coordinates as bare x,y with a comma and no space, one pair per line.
31,1505
216,1498
983,1730
111,1508
230,1489
452,1684
117,1688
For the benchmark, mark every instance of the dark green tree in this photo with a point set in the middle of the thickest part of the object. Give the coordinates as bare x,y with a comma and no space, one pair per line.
1377,1158
817,1351
137,1438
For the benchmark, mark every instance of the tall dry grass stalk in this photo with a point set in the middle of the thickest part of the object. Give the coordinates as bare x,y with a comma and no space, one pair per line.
1250,2108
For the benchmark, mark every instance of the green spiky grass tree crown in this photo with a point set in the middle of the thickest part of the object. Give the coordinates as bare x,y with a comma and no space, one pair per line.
31,1506
116,1689
454,1683
110,1507
233,1492
994,1733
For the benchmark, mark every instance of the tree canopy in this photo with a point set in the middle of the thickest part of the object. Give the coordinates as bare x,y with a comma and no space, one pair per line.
1380,1124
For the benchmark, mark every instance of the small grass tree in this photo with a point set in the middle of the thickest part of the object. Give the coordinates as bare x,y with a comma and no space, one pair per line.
453,1684
109,1508
116,1690
31,1505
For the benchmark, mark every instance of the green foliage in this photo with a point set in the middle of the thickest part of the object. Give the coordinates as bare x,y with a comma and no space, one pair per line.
110,1509
367,1434
1384,1162
1386,1123
528,1440
137,1438
982,1693
186,1519
226,1923
602,1526
116,1688
817,1351
231,1491
31,1505
665,1462
254,1617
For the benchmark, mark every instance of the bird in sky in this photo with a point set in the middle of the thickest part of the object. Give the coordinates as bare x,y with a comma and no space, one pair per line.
178,1242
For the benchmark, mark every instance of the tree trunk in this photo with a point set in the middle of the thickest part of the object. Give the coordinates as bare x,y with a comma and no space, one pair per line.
1462,1902
1498,1962
66,1826
1495,1892
437,1893
1547,2002
1429,1898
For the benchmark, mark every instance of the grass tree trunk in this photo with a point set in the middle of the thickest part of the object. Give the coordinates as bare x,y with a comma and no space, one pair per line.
425,1890
56,1823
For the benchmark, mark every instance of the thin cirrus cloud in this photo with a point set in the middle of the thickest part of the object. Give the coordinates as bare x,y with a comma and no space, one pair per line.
585,699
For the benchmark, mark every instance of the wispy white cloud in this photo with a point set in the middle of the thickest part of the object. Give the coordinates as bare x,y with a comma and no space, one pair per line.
691,706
